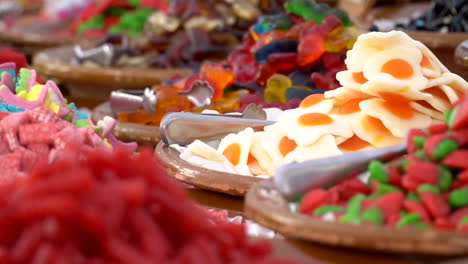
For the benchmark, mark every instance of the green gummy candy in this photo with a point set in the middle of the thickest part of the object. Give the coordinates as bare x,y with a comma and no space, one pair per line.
444,148
451,114
422,155
413,196
375,196
408,219
385,188
426,187
354,209
328,209
374,215
116,11
459,197
297,198
464,220
419,141
445,178
98,129
377,171
82,123
134,3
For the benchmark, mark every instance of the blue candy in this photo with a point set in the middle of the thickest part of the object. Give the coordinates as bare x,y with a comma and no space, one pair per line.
285,45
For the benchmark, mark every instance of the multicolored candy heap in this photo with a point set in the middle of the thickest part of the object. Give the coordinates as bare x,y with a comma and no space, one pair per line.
115,16
284,58
392,84
427,188
36,123
186,33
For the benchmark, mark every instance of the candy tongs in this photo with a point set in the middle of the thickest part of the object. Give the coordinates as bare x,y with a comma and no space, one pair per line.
182,128
296,178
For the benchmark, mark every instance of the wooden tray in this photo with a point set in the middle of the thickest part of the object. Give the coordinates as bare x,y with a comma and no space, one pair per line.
90,82
212,180
130,132
267,207
31,35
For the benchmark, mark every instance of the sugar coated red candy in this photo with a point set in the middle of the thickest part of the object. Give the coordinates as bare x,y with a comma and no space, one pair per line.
427,187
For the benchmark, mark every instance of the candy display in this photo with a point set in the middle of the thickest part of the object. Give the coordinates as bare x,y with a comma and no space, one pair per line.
284,58
424,189
114,207
185,33
444,16
392,84
37,122
115,16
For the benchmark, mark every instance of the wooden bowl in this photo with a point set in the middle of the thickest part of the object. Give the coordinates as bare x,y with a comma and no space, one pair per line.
266,206
217,181
130,132
96,82
32,34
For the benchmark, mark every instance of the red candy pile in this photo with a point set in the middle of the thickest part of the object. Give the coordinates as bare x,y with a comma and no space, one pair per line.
94,206
26,138
427,188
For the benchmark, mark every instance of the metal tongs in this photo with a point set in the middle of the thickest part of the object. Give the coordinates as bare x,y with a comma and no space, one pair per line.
183,128
295,178
132,100
106,53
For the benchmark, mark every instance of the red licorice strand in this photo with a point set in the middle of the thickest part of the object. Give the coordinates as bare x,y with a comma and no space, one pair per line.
260,248
225,243
69,183
208,249
56,205
191,255
46,254
150,234
133,191
178,209
124,253
236,231
27,244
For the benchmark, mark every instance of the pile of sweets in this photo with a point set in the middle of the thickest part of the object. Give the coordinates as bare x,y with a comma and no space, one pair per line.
186,33
115,16
392,84
36,122
96,206
427,188
444,16
284,58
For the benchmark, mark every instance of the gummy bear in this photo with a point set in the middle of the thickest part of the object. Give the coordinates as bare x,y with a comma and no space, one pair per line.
285,45
244,65
310,49
276,88
283,61
309,9
218,76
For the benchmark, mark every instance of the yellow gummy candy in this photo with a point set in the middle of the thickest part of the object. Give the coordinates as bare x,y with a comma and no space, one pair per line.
276,87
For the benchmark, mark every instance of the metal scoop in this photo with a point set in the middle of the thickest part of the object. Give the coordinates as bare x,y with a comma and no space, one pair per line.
200,94
295,178
132,100
183,128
